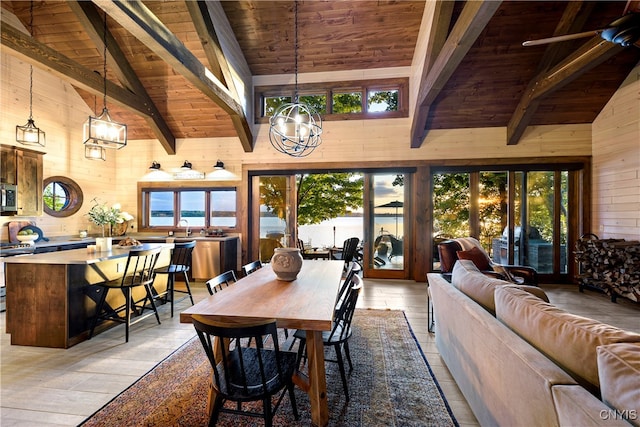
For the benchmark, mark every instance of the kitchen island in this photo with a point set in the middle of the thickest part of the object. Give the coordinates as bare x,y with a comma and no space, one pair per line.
51,298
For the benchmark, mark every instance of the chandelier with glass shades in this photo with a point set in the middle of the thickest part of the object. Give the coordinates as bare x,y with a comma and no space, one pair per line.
103,132
295,128
29,133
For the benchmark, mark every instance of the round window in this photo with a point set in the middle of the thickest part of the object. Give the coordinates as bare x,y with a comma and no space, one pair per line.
62,196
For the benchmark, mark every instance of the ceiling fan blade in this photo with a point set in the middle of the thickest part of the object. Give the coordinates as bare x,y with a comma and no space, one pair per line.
561,38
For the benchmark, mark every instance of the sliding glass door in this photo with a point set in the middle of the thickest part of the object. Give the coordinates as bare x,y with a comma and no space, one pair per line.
321,210
519,217
385,243
541,227
274,211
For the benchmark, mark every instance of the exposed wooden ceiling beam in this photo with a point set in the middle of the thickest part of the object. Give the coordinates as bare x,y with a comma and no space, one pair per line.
137,19
435,24
92,21
205,26
42,56
591,54
470,23
203,23
573,19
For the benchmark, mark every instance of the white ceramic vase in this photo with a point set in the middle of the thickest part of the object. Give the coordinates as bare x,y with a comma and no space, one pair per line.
104,244
286,263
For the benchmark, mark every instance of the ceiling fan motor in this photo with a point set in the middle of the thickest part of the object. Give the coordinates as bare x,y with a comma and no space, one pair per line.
624,31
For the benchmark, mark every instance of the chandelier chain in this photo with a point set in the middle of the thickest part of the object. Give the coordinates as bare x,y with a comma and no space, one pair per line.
295,50
31,66
104,57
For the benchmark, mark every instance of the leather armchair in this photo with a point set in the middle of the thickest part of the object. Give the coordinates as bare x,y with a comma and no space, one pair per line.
448,251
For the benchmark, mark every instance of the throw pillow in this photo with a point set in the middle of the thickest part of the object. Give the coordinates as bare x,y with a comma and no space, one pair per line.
619,375
478,257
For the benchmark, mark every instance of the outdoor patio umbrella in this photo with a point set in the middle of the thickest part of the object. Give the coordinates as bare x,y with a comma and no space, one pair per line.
395,204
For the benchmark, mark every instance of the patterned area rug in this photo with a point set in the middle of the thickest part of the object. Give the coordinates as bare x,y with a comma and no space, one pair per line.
391,385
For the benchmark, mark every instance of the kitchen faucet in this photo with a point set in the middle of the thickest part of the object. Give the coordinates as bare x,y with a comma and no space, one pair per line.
187,232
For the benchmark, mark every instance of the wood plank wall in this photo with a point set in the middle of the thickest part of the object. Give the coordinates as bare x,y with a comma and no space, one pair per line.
60,112
616,164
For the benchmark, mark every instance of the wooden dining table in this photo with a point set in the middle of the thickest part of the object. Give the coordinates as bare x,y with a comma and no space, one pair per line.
306,303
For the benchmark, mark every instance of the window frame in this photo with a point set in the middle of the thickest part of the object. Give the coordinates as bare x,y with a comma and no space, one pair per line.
327,88
74,192
145,190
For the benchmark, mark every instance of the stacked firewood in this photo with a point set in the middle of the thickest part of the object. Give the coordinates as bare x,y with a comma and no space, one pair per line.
612,265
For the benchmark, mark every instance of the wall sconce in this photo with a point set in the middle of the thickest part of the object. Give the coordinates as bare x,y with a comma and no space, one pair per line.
95,152
219,173
186,165
155,173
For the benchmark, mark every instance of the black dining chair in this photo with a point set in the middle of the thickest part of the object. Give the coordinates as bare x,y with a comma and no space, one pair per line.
221,281
247,373
247,269
354,269
348,252
180,264
138,272
338,337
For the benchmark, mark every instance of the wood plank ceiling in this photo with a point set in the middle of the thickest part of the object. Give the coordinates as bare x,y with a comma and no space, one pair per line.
483,77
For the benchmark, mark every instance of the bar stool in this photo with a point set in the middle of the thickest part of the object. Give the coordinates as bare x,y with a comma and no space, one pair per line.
180,263
138,272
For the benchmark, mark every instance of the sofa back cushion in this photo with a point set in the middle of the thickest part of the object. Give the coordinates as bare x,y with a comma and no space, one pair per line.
479,287
619,374
569,340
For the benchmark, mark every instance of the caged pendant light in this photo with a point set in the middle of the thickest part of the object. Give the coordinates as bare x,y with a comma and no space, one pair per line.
102,132
30,134
295,128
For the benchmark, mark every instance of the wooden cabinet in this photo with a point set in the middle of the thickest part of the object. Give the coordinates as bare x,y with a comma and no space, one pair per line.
24,168
7,165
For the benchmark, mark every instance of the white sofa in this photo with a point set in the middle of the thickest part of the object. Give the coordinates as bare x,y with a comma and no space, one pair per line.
532,364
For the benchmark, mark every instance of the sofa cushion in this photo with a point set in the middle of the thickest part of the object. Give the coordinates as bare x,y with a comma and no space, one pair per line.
575,406
477,256
480,287
567,339
619,374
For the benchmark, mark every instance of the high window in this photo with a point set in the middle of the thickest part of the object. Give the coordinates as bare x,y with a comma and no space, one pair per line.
370,99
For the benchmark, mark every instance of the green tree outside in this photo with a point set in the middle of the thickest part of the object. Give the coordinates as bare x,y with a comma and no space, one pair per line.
320,197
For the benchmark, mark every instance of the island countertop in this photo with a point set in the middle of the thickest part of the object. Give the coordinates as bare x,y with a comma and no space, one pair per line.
80,256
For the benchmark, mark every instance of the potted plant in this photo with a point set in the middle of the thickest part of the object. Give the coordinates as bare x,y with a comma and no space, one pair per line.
103,215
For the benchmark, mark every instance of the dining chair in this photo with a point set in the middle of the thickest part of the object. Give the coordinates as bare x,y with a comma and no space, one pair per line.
354,268
221,281
139,271
338,337
247,269
348,252
180,264
243,373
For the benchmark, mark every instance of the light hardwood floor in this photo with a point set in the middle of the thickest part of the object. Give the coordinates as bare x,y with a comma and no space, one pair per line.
54,387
